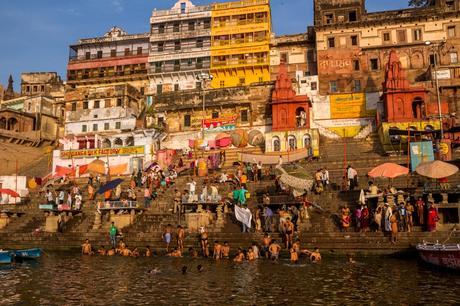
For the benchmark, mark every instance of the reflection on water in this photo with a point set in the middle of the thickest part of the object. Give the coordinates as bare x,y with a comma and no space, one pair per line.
69,279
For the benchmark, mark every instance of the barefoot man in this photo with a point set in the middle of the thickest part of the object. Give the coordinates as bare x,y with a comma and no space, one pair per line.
225,250
289,230
180,238
167,236
274,250
266,241
217,254
86,248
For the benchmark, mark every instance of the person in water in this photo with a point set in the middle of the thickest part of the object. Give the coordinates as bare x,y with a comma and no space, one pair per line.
294,256
111,252
314,256
167,236
193,253
86,248
204,242
135,252
225,250
266,241
251,256
148,252
101,251
126,252
274,250
175,253
239,256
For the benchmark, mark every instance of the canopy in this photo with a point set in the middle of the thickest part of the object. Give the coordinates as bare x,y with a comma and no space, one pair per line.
97,166
436,169
10,192
299,186
388,170
109,186
273,159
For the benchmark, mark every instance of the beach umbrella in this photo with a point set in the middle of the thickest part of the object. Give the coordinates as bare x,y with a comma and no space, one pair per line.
10,192
388,170
256,138
109,186
436,169
97,166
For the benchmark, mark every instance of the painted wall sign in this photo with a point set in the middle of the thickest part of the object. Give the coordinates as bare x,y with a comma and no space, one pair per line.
102,152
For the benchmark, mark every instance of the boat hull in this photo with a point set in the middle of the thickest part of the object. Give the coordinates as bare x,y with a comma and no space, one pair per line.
28,253
5,257
446,256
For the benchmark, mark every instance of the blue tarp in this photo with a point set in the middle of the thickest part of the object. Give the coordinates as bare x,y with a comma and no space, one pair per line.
109,186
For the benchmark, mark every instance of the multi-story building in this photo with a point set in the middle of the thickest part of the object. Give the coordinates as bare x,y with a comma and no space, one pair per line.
180,47
42,83
354,47
117,57
240,43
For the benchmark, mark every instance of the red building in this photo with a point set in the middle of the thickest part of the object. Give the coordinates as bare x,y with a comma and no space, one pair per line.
403,102
289,112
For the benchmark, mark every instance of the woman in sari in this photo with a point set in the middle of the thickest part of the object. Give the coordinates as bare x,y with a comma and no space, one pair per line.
346,219
365,219
432,218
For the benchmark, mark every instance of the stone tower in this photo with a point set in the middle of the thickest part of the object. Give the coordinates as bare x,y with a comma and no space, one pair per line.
9,92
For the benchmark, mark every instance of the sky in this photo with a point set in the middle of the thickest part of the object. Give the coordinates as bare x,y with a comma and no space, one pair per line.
36,33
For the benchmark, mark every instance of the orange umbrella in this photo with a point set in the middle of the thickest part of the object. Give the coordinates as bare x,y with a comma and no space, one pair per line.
97,166
388,170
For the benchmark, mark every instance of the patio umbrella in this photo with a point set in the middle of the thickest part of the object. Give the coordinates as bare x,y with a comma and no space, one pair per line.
10,192
109,186
97,166
436,169
388,170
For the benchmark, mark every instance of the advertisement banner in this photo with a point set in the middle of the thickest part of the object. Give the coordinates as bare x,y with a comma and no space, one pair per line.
345,106
420,152
221,124
102,152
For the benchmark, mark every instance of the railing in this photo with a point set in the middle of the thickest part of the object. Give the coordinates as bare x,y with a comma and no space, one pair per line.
239,4
240,62
180,68
93,56
111,205
107,74
196,9
234,23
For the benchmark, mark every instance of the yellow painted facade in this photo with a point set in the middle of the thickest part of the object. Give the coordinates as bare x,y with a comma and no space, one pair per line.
403,126
240,43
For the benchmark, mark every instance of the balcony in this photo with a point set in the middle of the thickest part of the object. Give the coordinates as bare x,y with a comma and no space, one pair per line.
108,55
175,13
239,4
106,75
184,34
236,63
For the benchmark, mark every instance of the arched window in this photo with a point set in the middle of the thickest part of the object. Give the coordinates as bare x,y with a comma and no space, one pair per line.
118,142
3,123
307,143
292,142
417,108
106,143
301,117
13,125
395,139
276,144
129,142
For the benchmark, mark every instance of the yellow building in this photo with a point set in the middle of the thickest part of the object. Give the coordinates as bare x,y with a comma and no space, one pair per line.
240,43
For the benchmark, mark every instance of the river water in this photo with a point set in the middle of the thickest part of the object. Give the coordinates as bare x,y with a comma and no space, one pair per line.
70,279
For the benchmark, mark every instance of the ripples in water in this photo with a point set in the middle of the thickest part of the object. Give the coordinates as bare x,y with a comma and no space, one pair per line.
69,279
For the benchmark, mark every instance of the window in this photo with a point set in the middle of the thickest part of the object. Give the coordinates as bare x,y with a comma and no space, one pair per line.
314,86
113,53
244,115
417,35
356,65
119,102
35,88
176,27
450,5
95,127
284,57
331,42
159,89
374,64
357,85
27,88
106,126
333,86
352,16
199,63
97,104
176,65
42,88
386,37
207,24
84,128
187,120
118,125
215,115
199,43
85,105
88,55
222,83
401,34
354,40
198,85
139,50
74,106
451,31
176,87
189,62
99,54
433,59
183,6
453,57
242,81
158,66
191,26
161,28
261,79
127,52
329,18
177,45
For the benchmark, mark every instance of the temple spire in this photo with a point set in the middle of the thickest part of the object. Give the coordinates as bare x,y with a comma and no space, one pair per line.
9,92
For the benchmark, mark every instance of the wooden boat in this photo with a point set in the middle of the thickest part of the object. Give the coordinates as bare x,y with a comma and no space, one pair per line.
28,253
5,257
442,255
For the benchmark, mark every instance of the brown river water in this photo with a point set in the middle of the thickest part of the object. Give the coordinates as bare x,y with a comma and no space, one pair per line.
70,279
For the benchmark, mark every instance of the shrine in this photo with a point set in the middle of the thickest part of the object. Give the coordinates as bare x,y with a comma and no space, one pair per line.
290,119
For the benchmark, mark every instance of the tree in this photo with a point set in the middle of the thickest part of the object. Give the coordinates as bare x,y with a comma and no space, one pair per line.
421,3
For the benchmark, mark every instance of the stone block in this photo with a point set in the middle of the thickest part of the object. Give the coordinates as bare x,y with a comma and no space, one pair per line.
4,220
121,221
51,224
194,221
